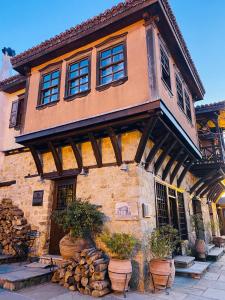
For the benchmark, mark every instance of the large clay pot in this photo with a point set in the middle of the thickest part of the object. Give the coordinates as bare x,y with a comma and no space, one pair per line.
120,272
162,272
70,246
200,247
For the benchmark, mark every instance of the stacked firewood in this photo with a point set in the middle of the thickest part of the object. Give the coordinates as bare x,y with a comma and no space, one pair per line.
14,239
87,273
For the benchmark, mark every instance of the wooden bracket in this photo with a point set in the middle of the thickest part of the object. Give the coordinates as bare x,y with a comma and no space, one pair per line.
116,146
163,156
170,164
56,157
77,154
37,160
177,168
96,149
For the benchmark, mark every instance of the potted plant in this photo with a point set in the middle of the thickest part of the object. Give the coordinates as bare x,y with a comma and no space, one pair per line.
200,245
120,247
84,221
162,243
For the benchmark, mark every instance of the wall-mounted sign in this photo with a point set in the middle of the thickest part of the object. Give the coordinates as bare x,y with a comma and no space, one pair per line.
38,198
126,211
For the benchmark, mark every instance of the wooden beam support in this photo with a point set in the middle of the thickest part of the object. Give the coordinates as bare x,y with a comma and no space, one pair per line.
7,183
155,149
170,164
37,160
116,146
150,125
201,180
209,186
77,154
177,168
96,149
56,157
163,156
183,173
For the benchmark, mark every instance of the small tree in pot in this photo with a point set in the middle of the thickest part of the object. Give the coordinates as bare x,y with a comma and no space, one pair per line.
162,243
120,247
84,221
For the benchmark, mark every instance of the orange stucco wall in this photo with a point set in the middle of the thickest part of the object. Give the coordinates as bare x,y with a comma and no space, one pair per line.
130,93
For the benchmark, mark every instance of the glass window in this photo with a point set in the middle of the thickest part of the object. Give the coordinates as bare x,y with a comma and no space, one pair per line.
165,67
188,105
180,97
78,77
112,64
50,87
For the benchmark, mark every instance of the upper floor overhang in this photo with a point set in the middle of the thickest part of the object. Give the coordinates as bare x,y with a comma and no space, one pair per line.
112,20
13,84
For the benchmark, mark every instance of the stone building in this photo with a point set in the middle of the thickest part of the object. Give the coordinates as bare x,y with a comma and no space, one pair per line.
105,111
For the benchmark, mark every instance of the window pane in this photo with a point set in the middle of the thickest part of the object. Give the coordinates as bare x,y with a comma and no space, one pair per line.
118,67
47,77
46,85
46,93
45,100
106,62
107,79
106,53
74,91
84,71
72,84
55,81
84,87
54,97
74,67
74,74
84,63
119,75
117,49
55,74
84,80
107,71
118,57
55,90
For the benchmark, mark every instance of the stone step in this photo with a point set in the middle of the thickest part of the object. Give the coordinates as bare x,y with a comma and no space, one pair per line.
195,271
183,261
16,276
56,260
8,259
215,253
210,247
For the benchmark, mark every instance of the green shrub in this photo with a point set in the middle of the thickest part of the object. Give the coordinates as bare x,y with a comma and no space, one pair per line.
163,241
83,219
120,245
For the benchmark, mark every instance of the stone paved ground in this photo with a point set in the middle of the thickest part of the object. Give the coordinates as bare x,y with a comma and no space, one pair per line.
211,286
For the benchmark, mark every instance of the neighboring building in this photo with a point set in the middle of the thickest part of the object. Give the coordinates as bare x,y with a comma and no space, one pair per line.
107,114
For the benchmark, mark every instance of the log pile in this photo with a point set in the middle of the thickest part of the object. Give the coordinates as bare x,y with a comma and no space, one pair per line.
14,230
87,273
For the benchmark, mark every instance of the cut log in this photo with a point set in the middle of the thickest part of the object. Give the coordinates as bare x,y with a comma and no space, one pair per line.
84,281
94,257
96,293
99,276
99,285
85,252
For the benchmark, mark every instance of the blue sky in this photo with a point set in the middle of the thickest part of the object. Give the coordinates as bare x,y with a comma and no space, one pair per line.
25,23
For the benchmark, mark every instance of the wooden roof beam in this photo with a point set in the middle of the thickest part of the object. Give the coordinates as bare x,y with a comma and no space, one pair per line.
210,185
149,126
170,164
183,173
177,168
37,160
155,149
96,149
201,180
163,156
77,154
116,146
56,158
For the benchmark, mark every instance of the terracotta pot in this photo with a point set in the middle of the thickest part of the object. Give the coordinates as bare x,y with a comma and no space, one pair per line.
120,272
200,247
69,246
160,269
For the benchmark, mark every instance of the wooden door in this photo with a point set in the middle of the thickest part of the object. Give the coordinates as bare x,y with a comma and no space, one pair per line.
63,195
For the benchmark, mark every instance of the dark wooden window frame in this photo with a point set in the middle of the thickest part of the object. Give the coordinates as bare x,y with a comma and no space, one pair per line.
180,93
188,105
45,71
120,81
163,52
16,124
68,97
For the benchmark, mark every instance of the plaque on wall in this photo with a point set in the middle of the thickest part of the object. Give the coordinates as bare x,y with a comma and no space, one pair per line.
38,198
126,211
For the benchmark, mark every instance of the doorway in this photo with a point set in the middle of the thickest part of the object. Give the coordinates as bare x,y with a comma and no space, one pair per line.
64,193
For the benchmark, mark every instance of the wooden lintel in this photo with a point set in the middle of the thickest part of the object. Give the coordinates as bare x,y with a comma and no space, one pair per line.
170,164
183,173
77,154
116,146
56,157
163,156
7,183
149,126
155,149
96,149
37,160
177,168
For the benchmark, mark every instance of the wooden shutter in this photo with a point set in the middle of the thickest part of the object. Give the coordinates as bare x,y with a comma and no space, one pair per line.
14,114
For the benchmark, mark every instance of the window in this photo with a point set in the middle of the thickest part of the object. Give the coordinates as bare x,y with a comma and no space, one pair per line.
16,113
165,66
162,208
180,98
188,105
50,87
78,77
112,64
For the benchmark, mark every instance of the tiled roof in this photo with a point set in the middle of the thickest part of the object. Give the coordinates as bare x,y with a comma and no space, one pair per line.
74,32
13,80
210,107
